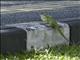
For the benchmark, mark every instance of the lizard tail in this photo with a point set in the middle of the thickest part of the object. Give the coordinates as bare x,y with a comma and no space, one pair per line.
62,34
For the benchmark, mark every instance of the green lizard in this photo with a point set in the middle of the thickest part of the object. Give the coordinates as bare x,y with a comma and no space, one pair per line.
53,23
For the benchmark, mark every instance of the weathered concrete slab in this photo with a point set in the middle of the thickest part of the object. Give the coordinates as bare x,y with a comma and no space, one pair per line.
18,12
18,6
40,35
62,11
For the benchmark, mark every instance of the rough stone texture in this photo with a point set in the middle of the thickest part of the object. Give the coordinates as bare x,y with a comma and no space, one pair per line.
18,12
65,11
40,35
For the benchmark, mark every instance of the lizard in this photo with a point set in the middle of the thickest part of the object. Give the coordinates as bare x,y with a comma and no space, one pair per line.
53,23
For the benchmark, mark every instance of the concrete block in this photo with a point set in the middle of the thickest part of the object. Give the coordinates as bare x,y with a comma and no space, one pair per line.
40,35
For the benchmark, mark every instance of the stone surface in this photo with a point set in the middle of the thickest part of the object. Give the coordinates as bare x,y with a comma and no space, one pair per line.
18,12
39,35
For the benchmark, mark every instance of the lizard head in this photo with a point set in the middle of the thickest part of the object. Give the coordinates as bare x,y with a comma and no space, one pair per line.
44,18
